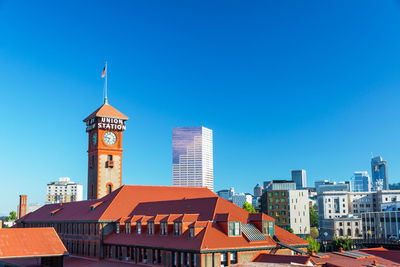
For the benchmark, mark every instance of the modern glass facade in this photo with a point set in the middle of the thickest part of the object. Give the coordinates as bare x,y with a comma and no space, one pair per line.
192,157
380,179
362,182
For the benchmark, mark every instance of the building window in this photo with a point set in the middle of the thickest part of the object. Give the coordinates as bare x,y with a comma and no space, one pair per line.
163,228
109,188
139,228
234,229
117,228
178,228
127,228
191,232
224,259
150,228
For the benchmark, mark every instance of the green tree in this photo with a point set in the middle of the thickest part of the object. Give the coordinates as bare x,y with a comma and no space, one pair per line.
314,245
314,233
290,230
340,242
12,216
249,207
313,218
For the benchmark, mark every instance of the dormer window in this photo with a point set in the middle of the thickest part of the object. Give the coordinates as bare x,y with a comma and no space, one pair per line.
191,232
150,228
178,228
117,229
268,228
139,228
234,229
127,228
163,228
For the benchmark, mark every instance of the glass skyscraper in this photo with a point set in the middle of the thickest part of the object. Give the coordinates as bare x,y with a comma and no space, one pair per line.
192,157
380,179
299,177
362,182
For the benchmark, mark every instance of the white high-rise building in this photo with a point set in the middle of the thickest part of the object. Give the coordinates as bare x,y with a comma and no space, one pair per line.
64,190
192,163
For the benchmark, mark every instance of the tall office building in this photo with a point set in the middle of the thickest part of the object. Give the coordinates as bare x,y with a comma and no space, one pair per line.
192,163
362,182
380,179
299,177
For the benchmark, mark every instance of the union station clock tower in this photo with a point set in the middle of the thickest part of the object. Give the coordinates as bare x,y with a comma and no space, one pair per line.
105,127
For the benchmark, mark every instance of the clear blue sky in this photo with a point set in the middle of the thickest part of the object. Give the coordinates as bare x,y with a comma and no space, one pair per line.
283,84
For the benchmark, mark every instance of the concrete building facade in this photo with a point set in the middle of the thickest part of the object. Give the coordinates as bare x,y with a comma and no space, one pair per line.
64,190
241,198
289,208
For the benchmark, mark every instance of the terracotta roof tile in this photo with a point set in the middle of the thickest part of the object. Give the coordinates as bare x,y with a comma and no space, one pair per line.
274,258
382,257
215,238
189,217
107,111
120,203
289,238
30,242
166,204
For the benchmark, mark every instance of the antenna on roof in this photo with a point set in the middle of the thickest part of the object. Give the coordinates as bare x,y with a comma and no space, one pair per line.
104,75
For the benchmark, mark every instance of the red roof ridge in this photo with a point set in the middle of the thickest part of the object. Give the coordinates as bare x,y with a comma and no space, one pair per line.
205,233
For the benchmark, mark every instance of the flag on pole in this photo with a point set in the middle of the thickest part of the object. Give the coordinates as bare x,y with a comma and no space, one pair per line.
104,71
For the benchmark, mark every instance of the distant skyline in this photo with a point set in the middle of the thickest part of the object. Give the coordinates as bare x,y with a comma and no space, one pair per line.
283,85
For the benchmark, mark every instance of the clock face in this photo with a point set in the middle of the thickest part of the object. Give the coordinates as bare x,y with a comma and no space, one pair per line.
110,138
94,139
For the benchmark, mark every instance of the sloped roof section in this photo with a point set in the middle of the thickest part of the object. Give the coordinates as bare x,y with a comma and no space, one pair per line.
107,111
285,259
126,199
289,238
30,242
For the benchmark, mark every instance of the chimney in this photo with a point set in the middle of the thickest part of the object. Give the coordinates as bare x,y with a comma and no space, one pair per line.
22,206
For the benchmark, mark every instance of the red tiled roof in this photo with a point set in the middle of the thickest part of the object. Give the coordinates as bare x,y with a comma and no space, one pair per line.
107,111
30,242
188,218
381,256
274,258
166,204
124,202
215,238
288,238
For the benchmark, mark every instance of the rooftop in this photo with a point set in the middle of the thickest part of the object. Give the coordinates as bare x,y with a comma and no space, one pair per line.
107,111
30,242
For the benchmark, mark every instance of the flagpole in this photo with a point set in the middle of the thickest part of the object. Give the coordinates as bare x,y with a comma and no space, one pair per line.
105,98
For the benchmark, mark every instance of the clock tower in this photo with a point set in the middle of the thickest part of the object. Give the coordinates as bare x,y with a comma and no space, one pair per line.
105,127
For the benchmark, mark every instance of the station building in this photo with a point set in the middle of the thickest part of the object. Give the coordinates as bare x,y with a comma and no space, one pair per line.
167,226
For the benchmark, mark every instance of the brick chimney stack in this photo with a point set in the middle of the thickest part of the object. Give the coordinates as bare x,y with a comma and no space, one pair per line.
22,206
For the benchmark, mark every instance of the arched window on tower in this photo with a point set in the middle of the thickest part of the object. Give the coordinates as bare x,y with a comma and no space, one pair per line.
92,191
109,188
